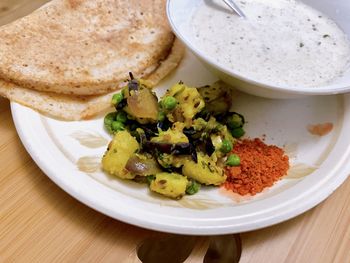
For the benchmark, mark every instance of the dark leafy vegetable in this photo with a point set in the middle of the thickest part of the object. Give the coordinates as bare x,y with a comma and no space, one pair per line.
194,155
150,130
164,125
189,132
204,114
209,147
121,104
181,142
176,149
150,178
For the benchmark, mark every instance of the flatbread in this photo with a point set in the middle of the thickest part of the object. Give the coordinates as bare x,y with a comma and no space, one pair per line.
84,47
72,108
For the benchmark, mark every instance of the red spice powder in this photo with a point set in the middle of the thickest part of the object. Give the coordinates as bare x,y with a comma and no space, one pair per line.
261,166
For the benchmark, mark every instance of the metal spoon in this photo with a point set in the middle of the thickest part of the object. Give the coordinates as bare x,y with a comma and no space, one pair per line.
235,8
224,249
168,248
173,248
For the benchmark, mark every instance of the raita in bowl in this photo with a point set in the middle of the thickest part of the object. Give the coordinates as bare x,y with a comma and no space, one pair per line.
284,48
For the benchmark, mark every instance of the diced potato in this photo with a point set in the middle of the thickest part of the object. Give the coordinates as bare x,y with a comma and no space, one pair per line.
204,171
121,148
218,106
169,160
169,184
190,103
199,124
217,97
173,135
176,89
214,91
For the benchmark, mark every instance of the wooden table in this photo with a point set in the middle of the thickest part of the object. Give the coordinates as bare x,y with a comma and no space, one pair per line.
41,223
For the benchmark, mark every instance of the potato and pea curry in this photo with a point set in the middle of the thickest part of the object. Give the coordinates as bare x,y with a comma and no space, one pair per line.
175,144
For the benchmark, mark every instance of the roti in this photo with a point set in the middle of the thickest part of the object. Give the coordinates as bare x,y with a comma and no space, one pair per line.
84,47
72,108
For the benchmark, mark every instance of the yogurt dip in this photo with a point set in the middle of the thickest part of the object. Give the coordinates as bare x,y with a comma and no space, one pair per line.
282,42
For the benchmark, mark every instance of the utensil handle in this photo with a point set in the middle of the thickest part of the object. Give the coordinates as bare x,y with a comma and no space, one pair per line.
235,8
197,254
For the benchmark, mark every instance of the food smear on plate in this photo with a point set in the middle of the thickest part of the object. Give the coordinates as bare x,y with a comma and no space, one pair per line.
320,129
261,166
176,143
282,42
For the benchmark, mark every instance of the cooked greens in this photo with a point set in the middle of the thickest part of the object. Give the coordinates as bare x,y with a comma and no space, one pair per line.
174,144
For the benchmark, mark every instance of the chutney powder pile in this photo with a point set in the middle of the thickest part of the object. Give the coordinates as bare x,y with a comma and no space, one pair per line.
260,167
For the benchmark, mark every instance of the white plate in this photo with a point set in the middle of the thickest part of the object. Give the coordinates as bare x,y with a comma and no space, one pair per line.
70,152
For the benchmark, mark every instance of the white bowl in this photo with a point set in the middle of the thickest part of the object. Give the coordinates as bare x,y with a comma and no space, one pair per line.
180,13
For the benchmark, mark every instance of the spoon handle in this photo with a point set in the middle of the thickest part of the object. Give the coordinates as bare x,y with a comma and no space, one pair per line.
234,7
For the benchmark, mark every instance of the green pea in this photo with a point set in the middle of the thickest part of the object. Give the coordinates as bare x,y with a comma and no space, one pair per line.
226,146
117,98
121,116
193,188
109,118
233,160
235,121
161,116
238,132
118,126
169,103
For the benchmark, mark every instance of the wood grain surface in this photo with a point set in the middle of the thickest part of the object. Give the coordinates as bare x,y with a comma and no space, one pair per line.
41,223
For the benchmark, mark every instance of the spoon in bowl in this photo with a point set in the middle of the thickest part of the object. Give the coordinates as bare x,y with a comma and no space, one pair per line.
235,8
